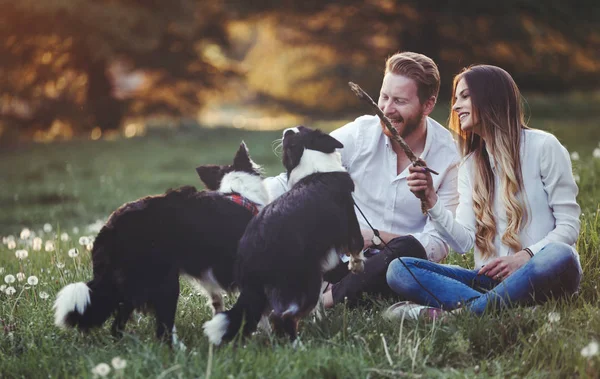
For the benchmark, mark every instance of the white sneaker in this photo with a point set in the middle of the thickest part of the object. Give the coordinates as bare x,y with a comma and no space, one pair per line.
405,309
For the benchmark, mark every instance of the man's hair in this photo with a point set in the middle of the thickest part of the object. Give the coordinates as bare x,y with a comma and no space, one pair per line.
419,68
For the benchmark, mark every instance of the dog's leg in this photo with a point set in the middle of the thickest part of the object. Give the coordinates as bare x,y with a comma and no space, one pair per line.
165,305
124,311
217,302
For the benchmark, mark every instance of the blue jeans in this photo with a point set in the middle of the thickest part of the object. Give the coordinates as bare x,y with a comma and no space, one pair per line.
553,272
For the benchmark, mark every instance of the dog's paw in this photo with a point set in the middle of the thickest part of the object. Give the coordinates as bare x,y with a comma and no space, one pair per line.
356,264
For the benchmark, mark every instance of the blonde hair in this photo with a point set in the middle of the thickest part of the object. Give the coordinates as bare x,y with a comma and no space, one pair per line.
496,105
419,68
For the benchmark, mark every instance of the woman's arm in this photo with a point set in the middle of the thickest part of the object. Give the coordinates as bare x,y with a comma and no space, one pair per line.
557,177
458,232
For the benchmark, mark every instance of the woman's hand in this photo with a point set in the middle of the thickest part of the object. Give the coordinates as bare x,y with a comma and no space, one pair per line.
421,185
501,268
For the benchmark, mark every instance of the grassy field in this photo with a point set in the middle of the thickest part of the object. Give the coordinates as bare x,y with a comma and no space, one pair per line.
59,191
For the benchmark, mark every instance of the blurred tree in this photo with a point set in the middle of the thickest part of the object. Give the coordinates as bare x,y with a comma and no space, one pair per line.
547,46
67,59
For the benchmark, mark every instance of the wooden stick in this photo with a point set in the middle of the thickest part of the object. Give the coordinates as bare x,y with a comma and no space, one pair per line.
386,121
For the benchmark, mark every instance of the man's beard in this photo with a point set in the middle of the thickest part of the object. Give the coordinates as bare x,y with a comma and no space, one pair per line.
409,126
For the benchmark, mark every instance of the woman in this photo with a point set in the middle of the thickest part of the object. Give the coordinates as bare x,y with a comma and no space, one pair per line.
517,209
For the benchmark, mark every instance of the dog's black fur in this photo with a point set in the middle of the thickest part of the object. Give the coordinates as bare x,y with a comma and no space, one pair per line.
146,244
288,245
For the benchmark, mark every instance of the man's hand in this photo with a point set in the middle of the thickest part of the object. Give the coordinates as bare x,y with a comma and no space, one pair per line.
421,185
500,268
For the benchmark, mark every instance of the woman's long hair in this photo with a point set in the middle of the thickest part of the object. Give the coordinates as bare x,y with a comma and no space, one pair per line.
496,106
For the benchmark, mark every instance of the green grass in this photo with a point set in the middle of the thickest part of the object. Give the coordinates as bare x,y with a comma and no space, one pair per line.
73,184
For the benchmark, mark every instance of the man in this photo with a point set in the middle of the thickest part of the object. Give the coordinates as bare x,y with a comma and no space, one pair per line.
379,168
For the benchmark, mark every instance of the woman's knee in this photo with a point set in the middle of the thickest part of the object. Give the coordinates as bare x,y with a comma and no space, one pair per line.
398,276
556,254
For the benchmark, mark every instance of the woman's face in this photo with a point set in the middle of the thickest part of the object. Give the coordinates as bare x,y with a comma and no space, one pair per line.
462,106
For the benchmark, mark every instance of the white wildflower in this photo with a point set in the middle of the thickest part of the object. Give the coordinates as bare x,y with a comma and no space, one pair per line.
20,276
553,317
47,228
49,246
73,253
11,244
44,295
590,350
574,156
84,240
75,230
89,246
101,370
32,280
64,237
21,254
2,287
37,244
10,291
8,279
576,177
1,270
118,363
596,153
60,265
25,234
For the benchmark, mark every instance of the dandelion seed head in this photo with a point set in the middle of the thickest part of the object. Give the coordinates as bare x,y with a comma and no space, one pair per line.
44,295
2,287
574,156
1,270
84,240
64,237
118,363
47,228
596,153
37,244
553,317
60,265
20,276
73,253
577,178
101,369
10,291
11,244
25,234
21,254
89,246
8,279
590,350
49,246
32,280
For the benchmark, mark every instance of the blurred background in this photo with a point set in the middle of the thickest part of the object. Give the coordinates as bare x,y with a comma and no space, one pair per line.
104,101
73,67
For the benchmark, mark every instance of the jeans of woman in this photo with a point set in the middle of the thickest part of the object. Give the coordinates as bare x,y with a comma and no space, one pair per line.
553,272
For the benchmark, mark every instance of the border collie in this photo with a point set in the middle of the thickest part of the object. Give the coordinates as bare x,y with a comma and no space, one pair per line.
295,239
146,244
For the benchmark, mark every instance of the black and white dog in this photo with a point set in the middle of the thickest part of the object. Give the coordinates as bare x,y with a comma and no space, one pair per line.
290,244
146,244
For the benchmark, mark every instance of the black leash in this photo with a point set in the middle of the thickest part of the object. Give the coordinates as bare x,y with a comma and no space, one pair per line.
376,234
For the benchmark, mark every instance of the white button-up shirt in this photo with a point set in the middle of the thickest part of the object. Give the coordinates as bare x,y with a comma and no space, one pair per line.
382,194
550,193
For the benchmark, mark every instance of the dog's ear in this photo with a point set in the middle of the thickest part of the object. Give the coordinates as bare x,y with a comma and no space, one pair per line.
242,161
325,143
210,175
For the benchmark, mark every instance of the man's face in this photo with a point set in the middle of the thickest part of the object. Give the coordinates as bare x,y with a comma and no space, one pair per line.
399,101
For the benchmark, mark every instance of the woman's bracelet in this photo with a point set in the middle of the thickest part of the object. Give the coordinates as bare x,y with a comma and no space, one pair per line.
528,250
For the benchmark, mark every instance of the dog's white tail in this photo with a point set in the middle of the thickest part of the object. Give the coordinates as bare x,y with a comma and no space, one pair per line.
216,328
75,297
